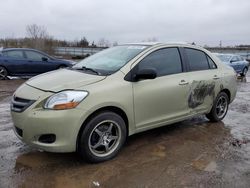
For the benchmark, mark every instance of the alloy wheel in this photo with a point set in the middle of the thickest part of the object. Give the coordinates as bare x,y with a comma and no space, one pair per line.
104,138
3,73
221,106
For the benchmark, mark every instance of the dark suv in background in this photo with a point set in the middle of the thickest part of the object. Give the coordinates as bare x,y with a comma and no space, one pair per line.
28,62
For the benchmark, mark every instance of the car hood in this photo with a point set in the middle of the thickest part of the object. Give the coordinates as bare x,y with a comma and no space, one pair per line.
66,61
63,79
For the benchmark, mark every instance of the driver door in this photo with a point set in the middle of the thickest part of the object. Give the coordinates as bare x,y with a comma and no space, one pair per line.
163,99
235,63
36,64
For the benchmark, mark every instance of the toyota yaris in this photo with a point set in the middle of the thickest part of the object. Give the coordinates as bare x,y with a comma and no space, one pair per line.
94,106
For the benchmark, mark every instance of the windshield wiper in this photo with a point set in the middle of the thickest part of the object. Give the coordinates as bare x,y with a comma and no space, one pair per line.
90,69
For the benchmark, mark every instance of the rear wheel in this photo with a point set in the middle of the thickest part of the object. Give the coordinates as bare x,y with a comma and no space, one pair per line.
102,138
219,109
3,73
244,72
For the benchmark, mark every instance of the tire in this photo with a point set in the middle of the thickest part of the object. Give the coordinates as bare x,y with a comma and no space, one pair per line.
220,107
62,67
3,73
102,138
244,72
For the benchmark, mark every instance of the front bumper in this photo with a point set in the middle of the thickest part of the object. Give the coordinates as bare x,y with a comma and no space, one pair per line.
36,121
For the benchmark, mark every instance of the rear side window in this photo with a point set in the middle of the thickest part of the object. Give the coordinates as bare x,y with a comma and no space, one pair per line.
165,61
197,59
14,54
211,63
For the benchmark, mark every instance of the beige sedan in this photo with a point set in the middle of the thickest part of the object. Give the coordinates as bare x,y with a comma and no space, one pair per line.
94,106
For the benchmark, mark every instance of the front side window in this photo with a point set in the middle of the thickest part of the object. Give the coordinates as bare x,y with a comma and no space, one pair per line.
34,55
197,59
14,54
241,58
110,60
234,59
165,61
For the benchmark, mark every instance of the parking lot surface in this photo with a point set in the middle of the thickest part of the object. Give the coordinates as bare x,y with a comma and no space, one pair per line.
193,153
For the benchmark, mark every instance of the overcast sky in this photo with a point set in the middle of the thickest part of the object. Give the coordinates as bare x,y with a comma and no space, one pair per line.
201,21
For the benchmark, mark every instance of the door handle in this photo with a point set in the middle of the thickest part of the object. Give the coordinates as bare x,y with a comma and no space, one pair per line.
216,77
183,82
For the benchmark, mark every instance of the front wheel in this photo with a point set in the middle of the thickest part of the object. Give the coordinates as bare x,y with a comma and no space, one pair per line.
219,109
244,72
102,137
3,73
61,67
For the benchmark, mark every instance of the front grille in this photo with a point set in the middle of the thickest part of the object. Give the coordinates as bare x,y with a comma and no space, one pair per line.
19,131
20,104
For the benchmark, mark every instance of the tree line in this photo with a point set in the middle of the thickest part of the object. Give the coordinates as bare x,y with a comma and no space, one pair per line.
37,37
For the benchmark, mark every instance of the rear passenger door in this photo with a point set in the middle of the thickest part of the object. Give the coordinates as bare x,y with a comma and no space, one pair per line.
164,98
204,80
14,61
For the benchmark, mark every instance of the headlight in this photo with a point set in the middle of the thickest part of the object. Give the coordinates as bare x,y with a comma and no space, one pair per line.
65,100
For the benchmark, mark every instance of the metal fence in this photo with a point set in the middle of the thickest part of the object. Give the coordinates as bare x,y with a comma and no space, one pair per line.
77,51
244,52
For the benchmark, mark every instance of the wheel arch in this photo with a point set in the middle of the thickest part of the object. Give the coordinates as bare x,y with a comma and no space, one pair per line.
8,72
227,92
4,67
114,109
62,65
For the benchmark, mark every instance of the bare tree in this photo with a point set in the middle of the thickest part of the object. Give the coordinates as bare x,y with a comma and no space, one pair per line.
39,38
36,32
115,43
103,43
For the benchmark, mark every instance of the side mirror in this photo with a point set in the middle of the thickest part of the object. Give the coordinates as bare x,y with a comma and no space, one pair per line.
232,61
145,74
44,59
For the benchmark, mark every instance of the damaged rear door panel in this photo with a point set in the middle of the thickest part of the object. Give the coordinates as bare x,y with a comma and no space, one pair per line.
204,81
203,90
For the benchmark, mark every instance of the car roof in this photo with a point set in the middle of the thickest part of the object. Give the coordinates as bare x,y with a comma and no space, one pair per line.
155,43
8,49
29,49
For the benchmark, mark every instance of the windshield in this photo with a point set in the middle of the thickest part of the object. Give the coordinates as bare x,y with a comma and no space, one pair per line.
110,60
224,58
